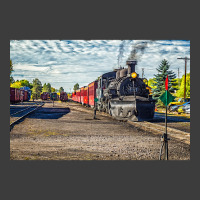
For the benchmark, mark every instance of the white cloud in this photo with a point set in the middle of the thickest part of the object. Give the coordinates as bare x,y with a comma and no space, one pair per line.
64,63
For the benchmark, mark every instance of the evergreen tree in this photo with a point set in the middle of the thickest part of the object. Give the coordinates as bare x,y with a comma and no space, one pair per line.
49,87
159,84
37,88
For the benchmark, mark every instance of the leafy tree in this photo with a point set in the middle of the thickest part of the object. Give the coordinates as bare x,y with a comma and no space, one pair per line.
61,89
21,83
159,84
76,86
25,83
16,84
11,70
37,88
180,92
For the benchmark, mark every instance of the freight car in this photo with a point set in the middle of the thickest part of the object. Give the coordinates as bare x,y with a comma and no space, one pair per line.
25,88
18,95
63,96
121,93
45,96
54,96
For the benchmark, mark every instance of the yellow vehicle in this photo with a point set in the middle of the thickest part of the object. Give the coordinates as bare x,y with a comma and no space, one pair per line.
180,101
182,109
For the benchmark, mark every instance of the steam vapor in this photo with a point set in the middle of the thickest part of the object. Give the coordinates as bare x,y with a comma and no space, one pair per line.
138,50
121,52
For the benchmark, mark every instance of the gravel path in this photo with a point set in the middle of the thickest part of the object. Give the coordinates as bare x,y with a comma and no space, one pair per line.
66,132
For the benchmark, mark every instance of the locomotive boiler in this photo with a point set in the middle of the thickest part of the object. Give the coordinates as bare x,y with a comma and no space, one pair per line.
124,95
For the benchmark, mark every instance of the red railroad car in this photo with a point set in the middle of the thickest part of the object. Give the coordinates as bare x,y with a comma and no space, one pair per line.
73,96
21,95
92,92
85,98
14,95
78,96
82,95
25,97
45,96
18,95
63,96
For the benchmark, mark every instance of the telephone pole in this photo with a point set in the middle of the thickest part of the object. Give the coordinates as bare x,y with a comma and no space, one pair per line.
142,72
186,59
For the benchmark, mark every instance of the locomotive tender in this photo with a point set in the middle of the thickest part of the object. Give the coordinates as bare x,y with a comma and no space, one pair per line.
122,94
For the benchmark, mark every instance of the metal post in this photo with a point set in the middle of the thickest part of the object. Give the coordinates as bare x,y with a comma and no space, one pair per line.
185,78
94,110
165,137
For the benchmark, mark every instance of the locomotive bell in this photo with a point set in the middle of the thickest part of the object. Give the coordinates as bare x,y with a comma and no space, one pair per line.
131,65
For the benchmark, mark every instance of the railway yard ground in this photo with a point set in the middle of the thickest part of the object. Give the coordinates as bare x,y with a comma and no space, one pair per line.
67,131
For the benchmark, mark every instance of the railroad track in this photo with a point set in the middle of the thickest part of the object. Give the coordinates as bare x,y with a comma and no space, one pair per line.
15,116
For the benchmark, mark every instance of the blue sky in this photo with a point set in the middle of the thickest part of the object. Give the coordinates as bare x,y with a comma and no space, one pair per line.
67,62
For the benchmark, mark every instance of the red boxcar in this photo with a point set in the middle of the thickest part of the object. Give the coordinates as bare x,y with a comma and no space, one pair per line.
17,95
21,95
92,92
63,96
14,95
45,96
25,97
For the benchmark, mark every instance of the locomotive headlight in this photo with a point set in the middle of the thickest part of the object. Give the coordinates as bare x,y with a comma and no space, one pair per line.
134,75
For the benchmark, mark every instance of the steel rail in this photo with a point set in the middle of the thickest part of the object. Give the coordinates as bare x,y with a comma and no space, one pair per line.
32,110
22,110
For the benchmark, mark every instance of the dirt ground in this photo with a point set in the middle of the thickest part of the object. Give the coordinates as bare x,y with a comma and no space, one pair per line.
65,132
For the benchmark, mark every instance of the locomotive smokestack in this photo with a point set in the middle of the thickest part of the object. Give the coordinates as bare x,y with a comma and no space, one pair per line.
131,65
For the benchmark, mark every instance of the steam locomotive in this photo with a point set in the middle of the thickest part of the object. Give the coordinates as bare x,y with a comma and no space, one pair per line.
121,93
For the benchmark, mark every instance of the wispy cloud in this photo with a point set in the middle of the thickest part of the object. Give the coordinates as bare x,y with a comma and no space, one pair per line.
67,62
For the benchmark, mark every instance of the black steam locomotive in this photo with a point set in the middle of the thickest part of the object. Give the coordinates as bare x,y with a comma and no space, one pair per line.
124,95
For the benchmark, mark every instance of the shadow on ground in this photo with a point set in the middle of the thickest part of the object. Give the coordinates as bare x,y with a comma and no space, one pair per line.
49,113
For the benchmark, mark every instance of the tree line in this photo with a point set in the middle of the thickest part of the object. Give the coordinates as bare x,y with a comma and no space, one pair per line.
157,83
36,85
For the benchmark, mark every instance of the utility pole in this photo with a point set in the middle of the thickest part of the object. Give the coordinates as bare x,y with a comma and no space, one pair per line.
186,59
142,72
